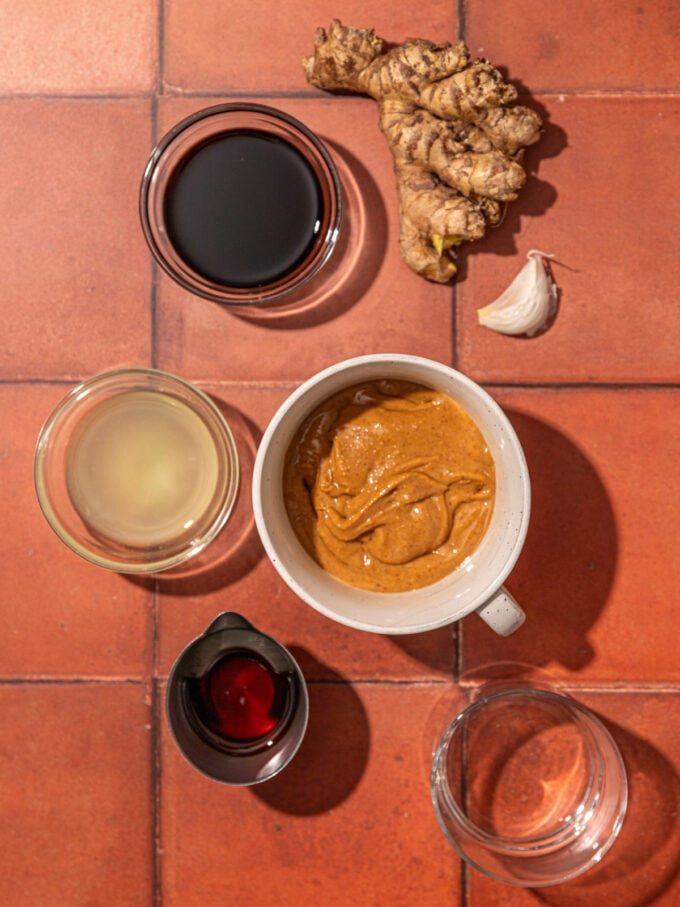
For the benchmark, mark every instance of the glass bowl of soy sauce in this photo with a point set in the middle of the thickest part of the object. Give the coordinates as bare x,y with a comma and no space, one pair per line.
241,204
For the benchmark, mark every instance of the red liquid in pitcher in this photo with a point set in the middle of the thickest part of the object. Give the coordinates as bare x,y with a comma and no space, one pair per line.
240,698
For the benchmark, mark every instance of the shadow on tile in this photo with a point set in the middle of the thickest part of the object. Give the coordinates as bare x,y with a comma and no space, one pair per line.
333,755
645,860
566,569
436,648
565,572
237,549
534,198
355,262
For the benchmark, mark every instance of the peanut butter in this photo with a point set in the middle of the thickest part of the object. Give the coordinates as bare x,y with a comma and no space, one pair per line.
389,485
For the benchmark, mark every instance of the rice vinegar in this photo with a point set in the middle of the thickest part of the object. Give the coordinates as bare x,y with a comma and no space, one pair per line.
142,469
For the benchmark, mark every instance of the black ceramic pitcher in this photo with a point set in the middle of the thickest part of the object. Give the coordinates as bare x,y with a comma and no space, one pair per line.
237,703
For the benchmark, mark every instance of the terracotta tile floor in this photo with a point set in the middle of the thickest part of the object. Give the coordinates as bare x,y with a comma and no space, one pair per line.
76,274
98,806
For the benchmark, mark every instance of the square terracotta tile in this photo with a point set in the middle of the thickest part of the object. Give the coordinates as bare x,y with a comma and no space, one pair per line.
260,46
88,48
380,305
641,867
349,821
616,243
75,795
626,45
237,575
75,290
597,575
61,616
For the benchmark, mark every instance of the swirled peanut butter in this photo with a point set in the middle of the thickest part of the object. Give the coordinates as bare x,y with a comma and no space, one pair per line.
389,485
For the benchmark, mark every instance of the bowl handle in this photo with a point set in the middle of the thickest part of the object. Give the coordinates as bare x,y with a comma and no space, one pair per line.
502,613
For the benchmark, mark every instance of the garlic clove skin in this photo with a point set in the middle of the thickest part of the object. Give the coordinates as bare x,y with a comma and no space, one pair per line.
528,303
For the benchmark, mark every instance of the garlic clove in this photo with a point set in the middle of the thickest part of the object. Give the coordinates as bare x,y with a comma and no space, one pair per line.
528,303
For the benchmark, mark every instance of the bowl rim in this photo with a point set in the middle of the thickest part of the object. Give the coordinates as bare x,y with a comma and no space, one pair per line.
488,693
65,404
265,537
265,299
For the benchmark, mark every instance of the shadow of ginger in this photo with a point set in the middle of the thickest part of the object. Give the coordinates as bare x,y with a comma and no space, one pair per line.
534,199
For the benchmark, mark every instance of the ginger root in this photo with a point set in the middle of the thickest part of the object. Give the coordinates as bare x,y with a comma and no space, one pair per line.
456,144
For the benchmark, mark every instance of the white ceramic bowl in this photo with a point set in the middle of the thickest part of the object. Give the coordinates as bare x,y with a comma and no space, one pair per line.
475,586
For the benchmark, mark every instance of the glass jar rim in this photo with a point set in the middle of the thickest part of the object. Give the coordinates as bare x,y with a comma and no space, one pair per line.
500,843
187,277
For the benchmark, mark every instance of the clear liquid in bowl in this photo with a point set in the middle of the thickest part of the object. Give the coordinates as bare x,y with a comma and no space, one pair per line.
142,470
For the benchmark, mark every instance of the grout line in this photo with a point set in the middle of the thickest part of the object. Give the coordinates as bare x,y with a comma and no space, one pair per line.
530,385
124,96
454,326
156,768
216,382
598,92
570,684
288,383
462,19
153,314
154,120
649,689
263,385
455,655
174,92
371,682
573,685
585,385
464,878
459,652
155,753
154,628
53,680
156,712
59,381
161,47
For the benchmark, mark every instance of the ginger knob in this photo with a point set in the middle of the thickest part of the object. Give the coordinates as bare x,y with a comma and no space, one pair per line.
455,140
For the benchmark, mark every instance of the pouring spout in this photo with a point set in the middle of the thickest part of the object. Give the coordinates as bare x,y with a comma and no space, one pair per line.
231,632
229,620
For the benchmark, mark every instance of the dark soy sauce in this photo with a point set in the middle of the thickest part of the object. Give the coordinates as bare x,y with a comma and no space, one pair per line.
244,209
240,699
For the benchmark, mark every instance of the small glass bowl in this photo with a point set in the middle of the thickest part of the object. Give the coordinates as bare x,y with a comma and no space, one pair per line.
50,474
194,131
528,785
